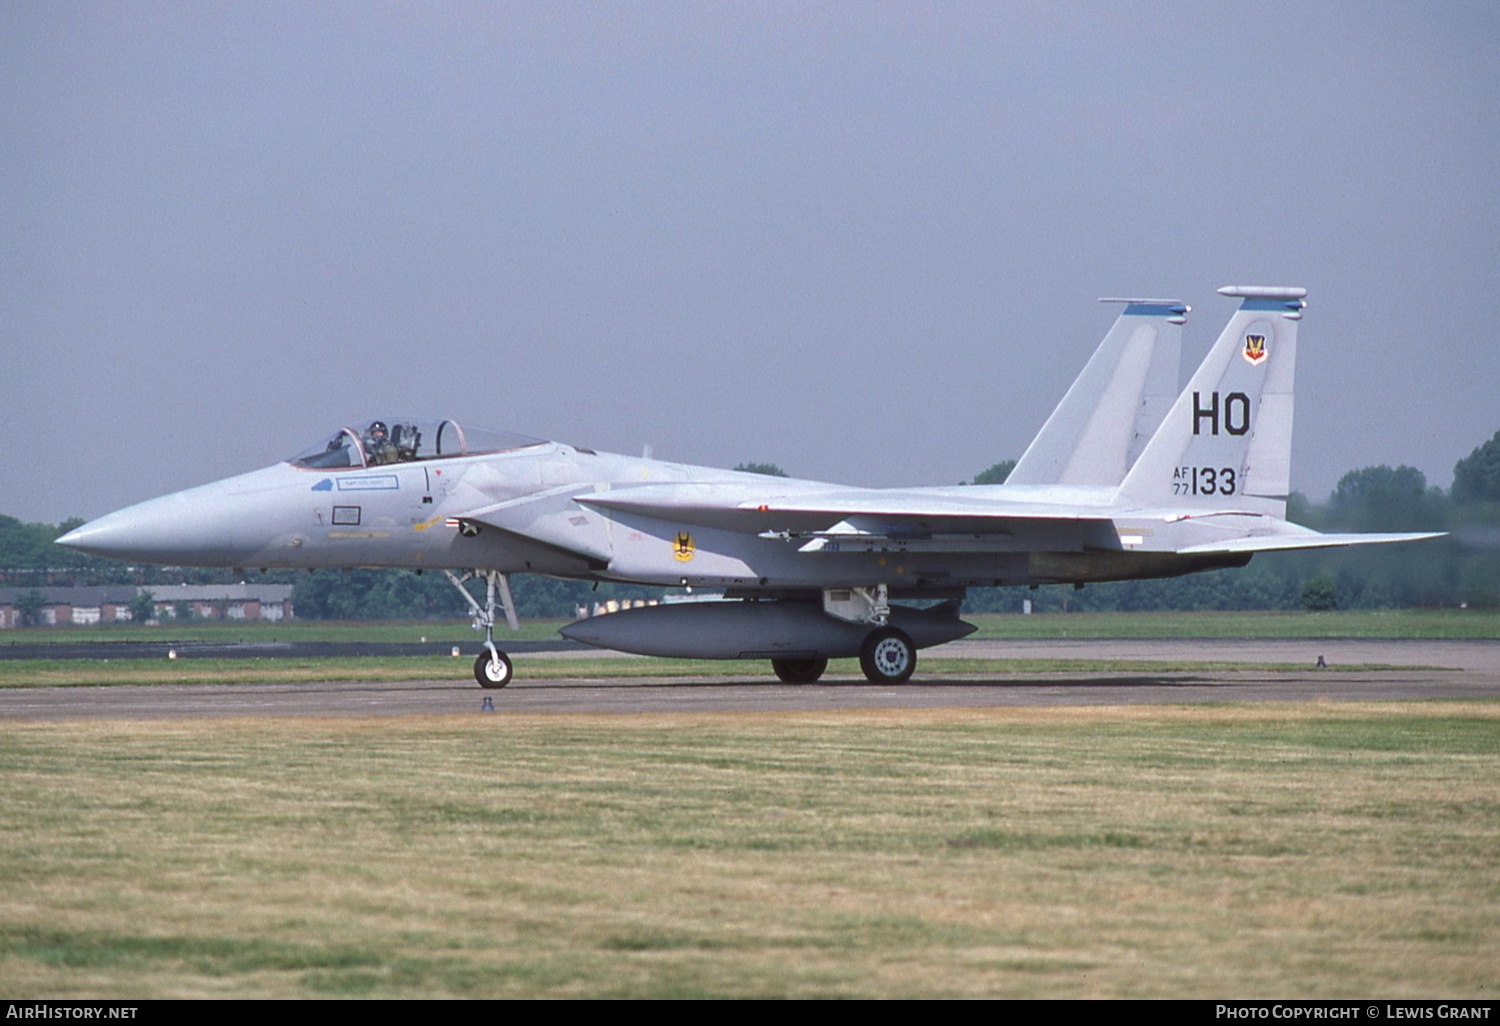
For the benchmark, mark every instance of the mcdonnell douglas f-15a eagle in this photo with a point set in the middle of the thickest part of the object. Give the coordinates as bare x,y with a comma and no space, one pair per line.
1127,479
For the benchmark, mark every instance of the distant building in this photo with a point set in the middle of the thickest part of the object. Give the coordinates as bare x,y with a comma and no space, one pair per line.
223,601
62,606
111,604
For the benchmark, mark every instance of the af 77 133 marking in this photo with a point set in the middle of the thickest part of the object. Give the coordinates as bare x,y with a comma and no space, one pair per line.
1203,481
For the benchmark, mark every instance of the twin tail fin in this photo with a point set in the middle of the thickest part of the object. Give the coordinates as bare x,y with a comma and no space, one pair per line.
1226,442
1115,406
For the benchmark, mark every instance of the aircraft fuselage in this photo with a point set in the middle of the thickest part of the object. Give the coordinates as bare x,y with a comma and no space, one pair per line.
416,516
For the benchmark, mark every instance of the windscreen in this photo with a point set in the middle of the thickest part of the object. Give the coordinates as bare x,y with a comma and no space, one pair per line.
341,450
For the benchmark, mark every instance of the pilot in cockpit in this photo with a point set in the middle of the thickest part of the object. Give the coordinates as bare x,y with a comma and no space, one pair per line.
378,445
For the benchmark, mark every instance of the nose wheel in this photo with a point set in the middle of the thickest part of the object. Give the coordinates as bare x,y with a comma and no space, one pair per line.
493,669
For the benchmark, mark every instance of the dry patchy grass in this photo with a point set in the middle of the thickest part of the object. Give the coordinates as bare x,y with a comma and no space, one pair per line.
1334,850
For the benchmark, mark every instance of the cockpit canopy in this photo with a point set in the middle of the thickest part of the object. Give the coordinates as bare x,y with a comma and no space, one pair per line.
385,440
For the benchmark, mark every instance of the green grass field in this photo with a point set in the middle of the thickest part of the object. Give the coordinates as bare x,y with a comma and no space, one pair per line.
1380,623
1340,850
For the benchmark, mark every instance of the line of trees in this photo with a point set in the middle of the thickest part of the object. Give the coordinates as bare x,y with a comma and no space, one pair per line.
1462,569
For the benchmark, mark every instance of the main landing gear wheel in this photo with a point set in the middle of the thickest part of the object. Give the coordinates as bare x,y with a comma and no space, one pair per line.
888,656
799,671
493,672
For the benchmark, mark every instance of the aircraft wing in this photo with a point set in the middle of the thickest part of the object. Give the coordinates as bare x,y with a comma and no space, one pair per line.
728,507
831,519
970,519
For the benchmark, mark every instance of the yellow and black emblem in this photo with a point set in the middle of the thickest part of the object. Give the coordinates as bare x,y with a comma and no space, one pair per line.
1255,349
682,547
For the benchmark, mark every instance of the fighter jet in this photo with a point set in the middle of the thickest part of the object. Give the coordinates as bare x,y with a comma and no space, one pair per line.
1123,482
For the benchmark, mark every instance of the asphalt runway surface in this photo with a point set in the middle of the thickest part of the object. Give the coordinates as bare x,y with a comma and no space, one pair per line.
1426,670
262,649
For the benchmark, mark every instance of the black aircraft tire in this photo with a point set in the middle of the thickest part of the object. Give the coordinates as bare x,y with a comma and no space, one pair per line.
485,675
888,656
799,671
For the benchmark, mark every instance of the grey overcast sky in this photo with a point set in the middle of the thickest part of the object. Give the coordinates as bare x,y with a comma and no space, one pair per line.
860,240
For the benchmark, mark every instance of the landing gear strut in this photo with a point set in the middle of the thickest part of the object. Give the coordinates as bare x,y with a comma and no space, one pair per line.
492,669
887,655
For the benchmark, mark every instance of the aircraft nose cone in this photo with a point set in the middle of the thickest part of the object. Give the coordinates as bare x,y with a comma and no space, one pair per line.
149,531
233,522
78,538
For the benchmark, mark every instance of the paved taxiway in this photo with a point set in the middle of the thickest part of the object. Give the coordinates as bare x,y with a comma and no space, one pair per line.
1430,669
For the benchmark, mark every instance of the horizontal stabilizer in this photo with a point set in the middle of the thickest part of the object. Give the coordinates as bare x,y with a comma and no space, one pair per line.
1311,540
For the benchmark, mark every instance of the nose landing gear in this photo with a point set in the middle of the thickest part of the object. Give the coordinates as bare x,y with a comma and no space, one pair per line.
493,667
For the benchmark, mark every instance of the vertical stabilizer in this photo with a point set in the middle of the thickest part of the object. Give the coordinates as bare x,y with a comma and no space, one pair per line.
1114,407
1226,443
